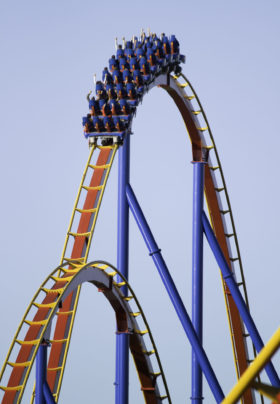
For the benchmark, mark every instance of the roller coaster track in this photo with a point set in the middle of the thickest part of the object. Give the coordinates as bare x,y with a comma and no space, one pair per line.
57,287
87,208
75,255
220,207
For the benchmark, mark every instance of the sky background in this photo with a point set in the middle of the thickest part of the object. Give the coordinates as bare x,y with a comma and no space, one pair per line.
49,53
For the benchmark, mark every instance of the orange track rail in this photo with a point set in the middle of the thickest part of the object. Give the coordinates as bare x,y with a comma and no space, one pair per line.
62,325
62,322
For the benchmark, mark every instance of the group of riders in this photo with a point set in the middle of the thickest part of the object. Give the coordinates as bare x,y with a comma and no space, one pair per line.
133,67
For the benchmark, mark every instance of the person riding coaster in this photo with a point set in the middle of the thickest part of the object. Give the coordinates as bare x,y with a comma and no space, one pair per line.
123,64
100,91
87,124
145,68
127,77
120,52
174,46
115,107
117,76
119,125
106,76
140,52
108,124
98,124
94,107
166,49
138,81
158,51
106,110
113,63
131,92
111,92
125,107
133,65
129,51
121,91
152,60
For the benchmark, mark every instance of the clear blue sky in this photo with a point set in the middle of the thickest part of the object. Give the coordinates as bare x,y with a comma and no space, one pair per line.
49,52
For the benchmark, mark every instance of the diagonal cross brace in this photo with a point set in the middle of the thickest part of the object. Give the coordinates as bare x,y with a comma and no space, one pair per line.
174,295
228,277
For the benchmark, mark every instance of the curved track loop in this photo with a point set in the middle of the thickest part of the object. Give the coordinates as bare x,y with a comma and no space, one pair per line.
235,262
218,204
219,208
181,91
223,224
64,282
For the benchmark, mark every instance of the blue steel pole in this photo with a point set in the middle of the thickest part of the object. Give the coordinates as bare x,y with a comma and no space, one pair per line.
197,275
239,301
41,371
48,394
174,295
122,340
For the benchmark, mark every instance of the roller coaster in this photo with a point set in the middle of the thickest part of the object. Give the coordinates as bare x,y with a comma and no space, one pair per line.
139,66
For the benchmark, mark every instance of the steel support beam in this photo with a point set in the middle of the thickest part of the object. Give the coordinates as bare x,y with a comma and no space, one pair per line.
48,394
41,372
174,295
122,340
239,301
197,275
43,394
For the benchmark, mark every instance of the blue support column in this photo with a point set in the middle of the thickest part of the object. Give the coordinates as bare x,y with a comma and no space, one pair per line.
41,371
239,301
48,394
197,275
122,340
174,295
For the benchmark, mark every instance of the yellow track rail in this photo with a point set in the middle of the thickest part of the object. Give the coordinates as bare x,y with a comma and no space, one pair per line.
78,208
70,277
74,264
224,203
